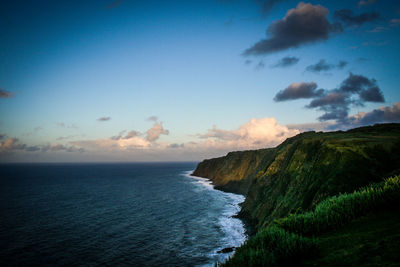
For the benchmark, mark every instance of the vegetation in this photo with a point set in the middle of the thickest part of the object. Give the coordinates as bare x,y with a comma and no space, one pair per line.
337,211
272,246
283,242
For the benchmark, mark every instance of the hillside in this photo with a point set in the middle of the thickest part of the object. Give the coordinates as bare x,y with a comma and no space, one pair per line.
357,229
305,169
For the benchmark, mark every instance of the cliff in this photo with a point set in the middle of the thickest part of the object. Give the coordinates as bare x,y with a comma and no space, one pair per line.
235,172
305,169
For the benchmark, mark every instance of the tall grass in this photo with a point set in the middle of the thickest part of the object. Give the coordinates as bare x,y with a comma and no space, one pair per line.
283,243
339,210
272,246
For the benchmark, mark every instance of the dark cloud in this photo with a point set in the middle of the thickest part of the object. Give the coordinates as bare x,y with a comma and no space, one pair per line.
304,24
297,91
5,94
348,18
286,62
336,103
333,98
322,65
381,115
355,90
104,119
355,83
267,5
372,94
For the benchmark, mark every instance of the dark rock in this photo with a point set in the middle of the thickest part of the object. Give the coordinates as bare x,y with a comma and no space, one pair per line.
226,250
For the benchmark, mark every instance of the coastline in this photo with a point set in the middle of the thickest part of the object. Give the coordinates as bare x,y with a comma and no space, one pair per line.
235,228
248,224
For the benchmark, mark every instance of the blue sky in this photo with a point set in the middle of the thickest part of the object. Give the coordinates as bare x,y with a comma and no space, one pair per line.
65,64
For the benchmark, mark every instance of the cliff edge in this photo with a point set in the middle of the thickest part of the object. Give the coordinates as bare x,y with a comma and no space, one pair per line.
305,169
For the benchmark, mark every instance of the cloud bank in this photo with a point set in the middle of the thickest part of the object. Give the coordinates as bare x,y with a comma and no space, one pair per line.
355,90
254,134
12,145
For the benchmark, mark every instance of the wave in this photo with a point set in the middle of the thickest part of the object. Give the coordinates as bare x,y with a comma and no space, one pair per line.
232,229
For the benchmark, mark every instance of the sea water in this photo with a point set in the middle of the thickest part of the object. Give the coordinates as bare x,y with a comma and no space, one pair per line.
142,214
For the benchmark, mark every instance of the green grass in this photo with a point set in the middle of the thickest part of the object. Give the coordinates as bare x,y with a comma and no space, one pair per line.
371,240
285,241
337,211
272,246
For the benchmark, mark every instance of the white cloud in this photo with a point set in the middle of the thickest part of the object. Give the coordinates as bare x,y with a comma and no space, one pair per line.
147,146
256,133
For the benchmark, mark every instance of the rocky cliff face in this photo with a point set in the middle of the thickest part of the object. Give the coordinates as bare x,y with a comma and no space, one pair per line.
235,171
305,169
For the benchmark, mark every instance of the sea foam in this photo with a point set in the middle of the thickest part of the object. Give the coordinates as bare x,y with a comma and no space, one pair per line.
233,229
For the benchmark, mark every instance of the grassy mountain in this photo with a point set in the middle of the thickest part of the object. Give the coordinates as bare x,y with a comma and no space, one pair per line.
301,198
305,169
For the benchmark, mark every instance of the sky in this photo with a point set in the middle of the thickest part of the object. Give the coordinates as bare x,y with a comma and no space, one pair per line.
128,81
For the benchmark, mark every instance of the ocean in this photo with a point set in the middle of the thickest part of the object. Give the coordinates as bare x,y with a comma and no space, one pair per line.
141,214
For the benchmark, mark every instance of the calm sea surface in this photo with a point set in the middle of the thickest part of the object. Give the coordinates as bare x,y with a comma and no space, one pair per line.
148,214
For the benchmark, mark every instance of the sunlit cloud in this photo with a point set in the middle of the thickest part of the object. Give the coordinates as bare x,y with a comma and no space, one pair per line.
254,134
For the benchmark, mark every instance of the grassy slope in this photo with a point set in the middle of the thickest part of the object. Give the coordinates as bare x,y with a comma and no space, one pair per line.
365,232
373,240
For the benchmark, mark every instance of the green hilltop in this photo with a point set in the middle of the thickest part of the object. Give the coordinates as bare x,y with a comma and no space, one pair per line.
295,178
